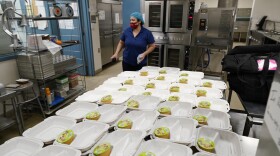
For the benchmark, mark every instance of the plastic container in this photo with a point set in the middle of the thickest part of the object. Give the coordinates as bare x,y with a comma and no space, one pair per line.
124,142
216,119
183,88
159,84
141,120
62,80
215,84
86,135
164,148
118,97
226,142
128,74
49,129
168,77
182,130
63,86
147,103
91,96
193,74
211,92
163,94
216,104
20,146
138,81
170,70
109,113
178,109
58,150
190,98
151,74
77,110
134,90
191,80
73,80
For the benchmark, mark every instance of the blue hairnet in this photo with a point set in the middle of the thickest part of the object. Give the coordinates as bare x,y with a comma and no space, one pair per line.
138,16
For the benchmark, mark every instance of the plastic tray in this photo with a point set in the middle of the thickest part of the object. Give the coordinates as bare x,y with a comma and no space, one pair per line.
216,119
20,146
190,98
148,103
216,104
114,80
151,74
191,80
118,97
211,92
58,150
110,113
128,74
226,142
142,120
47,130
109,87
182,130
124,142
134,90
163,94
87,134
77,110
184,88
194,74
91,96
164,148
168,77
159,84
178,109
215,84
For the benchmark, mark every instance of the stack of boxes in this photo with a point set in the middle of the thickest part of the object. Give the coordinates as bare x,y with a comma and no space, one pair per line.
62,86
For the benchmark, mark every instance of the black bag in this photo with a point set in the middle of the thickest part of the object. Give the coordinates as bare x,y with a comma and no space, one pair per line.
244,76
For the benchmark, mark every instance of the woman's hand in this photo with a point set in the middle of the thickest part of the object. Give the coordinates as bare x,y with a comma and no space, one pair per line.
141,57
115,56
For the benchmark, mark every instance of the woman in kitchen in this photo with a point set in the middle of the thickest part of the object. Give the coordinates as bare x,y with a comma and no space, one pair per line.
137,42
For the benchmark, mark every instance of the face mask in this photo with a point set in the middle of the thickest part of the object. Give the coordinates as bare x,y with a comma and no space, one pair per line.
134,25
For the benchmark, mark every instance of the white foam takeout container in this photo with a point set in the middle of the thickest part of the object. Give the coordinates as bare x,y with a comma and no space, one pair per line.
151,68
159,84
128,74
77,110
171,70
164,148
226,142
138,81
168,77
124,142
20,146
193,74
215,84
91,96
151,74
134,90
115,80
182,130
57,150
211,92
191,80
183,88
178,109
216,119
141,120
163,94
203,154
49,129
118,97
109,113
86,135
216,104
106,87
184,97
148,103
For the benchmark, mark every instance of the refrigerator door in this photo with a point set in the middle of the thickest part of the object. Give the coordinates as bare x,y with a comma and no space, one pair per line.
154,11
117,24
177,15
106,43
155,57
174,56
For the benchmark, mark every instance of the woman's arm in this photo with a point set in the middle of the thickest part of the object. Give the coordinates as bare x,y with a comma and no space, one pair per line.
118,50
151,48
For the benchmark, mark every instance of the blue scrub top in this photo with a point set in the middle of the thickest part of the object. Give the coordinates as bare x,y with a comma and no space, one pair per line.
133,46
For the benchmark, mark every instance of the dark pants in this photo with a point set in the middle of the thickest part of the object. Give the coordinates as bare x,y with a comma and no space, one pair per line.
128,67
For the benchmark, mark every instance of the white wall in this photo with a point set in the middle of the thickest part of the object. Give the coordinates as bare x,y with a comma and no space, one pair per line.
262,8
245,3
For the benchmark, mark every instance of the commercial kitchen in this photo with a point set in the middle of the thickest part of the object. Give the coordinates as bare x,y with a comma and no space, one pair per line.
139,78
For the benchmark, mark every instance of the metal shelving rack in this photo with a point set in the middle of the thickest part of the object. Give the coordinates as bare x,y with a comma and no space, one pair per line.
48,80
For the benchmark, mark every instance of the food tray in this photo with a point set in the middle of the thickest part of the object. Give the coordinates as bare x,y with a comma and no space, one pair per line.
151,74
58,150
193,74
216,104
215,84
148,103
124,142
134,90
48,129
77,110
168,77
164,148
91,96
191,80
114,80
159,84
178,109
182,130
138,81
86,135
216,119
163,94
109,113
128,74
20,146
184,98
118,97
211,92
226,142
184,88
109,87
141,120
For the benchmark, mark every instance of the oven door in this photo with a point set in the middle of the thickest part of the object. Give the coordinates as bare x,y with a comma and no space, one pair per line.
155,57
174,56
154,15
177,16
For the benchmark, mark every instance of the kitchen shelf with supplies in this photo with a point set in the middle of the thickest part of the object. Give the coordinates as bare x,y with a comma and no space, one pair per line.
53,59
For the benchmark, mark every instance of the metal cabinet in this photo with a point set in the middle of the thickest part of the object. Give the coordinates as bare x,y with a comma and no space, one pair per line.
155,58
174,56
